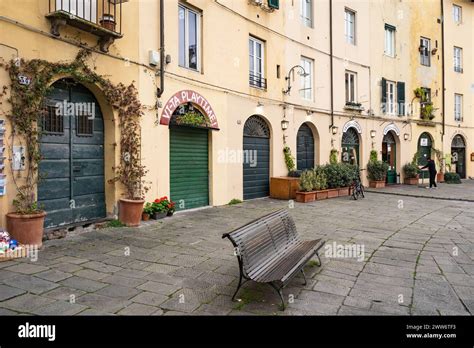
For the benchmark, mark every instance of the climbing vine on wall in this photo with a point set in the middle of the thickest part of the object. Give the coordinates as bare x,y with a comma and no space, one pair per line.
30,84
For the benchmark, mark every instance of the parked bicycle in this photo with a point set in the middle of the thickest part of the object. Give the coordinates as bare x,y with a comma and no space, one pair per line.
357,187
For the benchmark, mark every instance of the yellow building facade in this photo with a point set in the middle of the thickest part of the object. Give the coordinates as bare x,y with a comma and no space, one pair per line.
314,76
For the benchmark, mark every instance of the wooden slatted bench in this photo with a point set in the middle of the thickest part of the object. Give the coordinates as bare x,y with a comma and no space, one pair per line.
270,251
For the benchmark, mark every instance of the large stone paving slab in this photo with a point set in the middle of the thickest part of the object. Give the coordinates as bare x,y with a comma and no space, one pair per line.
418,258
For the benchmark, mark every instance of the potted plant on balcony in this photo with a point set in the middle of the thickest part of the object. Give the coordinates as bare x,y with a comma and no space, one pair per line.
306,193
108,22
410,173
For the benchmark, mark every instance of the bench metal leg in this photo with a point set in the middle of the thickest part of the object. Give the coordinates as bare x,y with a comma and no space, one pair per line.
280,293
304,277
238,287
320,263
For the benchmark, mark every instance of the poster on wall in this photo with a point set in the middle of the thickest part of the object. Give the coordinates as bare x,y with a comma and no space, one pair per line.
424,142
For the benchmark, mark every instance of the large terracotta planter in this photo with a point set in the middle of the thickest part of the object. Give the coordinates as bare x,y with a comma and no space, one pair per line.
377,184
26,228
343,191
322,194
284,187
410,181
333,193
440,177
305,197
130,211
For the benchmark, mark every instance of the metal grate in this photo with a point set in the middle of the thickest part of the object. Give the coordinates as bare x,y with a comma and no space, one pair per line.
350,137
256,126
84,125
53,120
257,81
458,142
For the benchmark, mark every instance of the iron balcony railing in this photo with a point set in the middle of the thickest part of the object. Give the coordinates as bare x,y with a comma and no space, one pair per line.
257,81
104,13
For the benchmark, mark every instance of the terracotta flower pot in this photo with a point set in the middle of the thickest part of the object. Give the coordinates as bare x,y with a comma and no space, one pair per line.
377,184
145,217
440,177
130,211
343,191
333,193
108,22
322,194
411,181
305,197
26,228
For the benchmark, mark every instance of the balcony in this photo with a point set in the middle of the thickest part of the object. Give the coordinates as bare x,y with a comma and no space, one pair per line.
102,18
257,81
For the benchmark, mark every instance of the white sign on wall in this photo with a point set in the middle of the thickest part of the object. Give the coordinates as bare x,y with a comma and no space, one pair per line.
424,142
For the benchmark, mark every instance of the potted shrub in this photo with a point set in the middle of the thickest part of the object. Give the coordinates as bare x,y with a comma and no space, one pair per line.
25,224
348,175
108,22
320,183
306,193
334,179
147,212
159,208
452,178
377,173
410,174
170,208
441,164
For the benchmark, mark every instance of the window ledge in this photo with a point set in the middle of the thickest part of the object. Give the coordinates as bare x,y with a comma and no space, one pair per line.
358,108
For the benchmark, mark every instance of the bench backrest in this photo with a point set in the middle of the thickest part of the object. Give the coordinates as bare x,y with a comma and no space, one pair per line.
263,239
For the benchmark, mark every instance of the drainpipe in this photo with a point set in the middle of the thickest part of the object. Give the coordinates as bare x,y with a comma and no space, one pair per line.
161,89
443,70
331,65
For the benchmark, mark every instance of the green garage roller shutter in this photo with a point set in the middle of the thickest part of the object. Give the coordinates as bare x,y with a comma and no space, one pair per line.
189,167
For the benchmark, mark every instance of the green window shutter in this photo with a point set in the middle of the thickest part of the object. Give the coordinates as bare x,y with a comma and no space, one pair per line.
384,95
274,4
401,98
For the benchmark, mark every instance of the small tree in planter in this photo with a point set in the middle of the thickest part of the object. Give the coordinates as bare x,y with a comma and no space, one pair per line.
320,183
306,193
377,173
410,174
441,165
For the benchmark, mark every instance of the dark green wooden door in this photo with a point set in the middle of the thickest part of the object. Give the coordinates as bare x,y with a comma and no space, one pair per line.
389,156
256,165
305,148
424,151
72,147
458,155
189,167
350,147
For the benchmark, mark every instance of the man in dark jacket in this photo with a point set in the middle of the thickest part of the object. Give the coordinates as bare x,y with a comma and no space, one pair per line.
432,170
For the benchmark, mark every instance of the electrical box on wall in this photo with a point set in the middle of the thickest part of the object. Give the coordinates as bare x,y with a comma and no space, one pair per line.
18,160
154,58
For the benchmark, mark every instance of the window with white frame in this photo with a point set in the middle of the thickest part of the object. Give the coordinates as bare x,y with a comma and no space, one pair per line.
425,51
457,14
306,91
458,59
349,23
307,12
256,63
189,38
351,87
390,40
458,107
391,97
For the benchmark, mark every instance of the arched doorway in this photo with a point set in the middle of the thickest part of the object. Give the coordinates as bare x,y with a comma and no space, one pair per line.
350,147
72,148
458,153
189,157
389,156
425,144
305,148
256,155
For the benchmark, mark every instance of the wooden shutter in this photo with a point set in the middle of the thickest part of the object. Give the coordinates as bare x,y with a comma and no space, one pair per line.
384,95
274,4
401,98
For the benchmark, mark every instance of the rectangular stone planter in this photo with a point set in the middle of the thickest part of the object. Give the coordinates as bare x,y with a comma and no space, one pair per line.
332,193
158,216
343,191
322,194
284,187
305,197
410,181
377,184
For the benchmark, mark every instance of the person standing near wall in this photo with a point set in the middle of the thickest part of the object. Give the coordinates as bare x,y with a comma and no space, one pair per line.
432,170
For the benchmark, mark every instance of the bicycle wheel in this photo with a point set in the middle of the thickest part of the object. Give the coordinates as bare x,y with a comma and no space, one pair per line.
362,191
355,192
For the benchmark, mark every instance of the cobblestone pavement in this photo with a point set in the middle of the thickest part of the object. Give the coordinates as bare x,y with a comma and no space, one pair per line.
462,192
419,259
